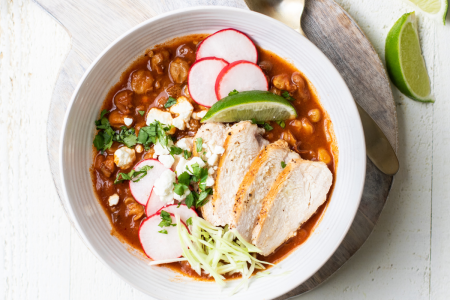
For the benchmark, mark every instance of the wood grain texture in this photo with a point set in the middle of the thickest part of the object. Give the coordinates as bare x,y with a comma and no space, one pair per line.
325,23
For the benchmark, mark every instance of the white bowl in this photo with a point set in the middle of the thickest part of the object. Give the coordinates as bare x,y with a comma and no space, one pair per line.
78,133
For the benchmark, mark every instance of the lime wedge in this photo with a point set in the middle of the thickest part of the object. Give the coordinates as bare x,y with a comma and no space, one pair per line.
404,60
257,105
436,9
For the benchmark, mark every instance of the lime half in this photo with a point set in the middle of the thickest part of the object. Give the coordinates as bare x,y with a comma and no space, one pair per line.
436,9
256,105
404,60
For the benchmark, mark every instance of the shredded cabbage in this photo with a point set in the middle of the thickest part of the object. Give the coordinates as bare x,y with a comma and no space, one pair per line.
218,251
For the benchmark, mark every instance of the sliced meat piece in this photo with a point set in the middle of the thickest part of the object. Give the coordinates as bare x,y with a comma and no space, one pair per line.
242,145
294,197
256,184
212,133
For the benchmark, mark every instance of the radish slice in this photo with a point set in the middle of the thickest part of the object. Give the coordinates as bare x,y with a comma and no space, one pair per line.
142,189
154,204
229,44
156,245
202,79
183,211
240,76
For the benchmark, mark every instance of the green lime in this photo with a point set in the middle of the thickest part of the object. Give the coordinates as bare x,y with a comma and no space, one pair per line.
437,9
252,105
404,60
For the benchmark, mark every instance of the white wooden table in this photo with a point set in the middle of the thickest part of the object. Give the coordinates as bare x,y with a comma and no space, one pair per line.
41,257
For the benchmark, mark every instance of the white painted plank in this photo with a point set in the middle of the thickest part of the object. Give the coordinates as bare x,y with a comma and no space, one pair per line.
34,236
440,242
394,262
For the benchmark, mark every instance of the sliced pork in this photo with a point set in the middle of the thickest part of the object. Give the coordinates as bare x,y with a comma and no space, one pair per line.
294,197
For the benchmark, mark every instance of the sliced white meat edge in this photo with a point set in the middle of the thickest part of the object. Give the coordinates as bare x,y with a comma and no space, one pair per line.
256,184
242,145
294,197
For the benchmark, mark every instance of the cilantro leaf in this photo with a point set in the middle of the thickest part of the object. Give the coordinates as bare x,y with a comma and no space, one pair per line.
180,189
174,150
184,178
283,164
233,92
104,138
281,123
126,136
133,175
142,112
154,132
163,231
199,144
256,122
190,199
166,219
287,96
267,127
189,221
186,154
170,102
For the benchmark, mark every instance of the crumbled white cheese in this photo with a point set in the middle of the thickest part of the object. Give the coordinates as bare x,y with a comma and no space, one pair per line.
124,157
199,115
164,186
155,114
211,171
186,165
113,200
209,181
185,144
213,159
182,197
161,150
166,160
184,110
128,121
181,166
218,150
139,148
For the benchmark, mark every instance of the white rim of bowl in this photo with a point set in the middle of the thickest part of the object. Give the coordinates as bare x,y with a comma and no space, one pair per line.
74,221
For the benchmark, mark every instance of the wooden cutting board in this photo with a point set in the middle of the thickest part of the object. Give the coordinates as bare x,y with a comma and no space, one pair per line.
95,24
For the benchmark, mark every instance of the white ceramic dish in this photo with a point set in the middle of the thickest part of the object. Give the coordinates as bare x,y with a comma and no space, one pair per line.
78,132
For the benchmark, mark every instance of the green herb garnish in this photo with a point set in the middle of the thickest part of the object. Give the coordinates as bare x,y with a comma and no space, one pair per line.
267,127
287,96
170,102
199,144
186,154
189,221
281,123
166,220
133,175
233,92
265,124
154,132
126,136
104,138
283,164
163,231
142,112
175,150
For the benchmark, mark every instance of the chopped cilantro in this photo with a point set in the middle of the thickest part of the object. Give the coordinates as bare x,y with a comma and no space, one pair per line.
267,127
133,175
163,231
233,92
199,144
179,204
180,188
170,102
283,164
166,219
256,122
142,112
152,133
126,136
186,154
184,178
287,96
281,123
189,221
175,150
104,138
